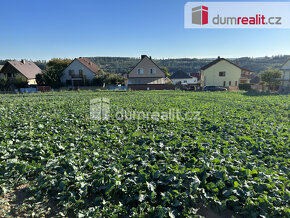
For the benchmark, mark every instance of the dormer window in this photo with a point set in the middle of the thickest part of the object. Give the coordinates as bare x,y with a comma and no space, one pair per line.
152,71
140,71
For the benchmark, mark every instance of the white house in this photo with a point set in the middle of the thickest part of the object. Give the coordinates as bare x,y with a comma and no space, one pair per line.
181,77
80,72
285,80
222,72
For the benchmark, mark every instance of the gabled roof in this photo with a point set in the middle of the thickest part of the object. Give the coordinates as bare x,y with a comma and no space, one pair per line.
142,58
27,68
180,75
89,64
222,59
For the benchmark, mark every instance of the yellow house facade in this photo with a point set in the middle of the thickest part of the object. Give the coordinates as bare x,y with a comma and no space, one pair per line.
221,72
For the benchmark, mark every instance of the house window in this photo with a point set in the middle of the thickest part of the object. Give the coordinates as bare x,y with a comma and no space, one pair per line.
81,72
224,83
10,75
71,72
153,71
236,83
140,71
230,83
185,81
223,73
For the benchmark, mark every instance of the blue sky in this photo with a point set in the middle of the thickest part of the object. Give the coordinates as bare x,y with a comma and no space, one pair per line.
43,29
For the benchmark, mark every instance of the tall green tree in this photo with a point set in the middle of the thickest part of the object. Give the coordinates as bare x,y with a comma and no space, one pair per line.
165,70
51,76
271,77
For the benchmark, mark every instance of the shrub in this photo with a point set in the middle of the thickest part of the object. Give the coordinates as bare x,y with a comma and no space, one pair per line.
246,87
19,82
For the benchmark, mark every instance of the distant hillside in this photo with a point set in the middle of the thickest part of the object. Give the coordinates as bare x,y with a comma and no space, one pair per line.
124,64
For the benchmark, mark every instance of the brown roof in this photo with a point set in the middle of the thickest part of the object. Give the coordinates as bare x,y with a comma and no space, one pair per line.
89,64
27,68
222,59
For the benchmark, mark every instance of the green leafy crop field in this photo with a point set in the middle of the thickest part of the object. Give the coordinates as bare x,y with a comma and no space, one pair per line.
56,161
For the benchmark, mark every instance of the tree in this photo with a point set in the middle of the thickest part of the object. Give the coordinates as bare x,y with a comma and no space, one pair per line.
99,78
4,85
165,70
18,82
114,79
53,72
271,77
102,78
10,83
40,80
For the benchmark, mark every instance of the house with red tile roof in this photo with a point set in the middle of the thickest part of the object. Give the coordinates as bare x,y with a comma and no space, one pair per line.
26,69
80,72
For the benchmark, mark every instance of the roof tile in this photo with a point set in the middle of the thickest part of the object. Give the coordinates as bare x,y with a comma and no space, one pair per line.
27,68
89,64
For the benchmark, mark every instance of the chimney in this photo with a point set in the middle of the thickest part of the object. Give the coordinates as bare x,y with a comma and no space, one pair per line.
23,61
150,58
219,57
143,56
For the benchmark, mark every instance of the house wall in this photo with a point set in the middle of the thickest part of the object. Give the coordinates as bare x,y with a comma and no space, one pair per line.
146,64
76,66
286,66
151,87
153,80
32,82
193,80
285,82
210,76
